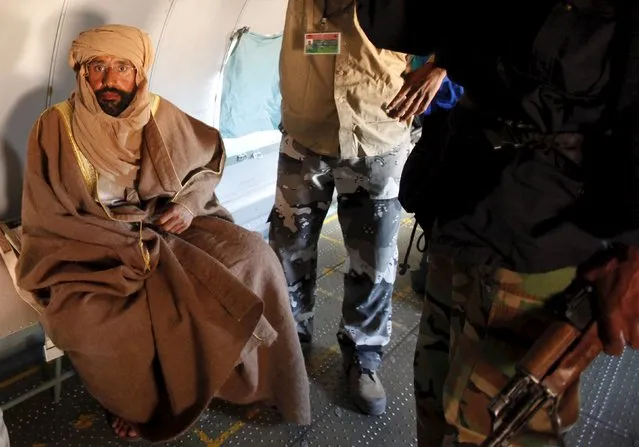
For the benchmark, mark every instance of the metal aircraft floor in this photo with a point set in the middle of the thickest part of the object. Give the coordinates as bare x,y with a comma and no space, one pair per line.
610,390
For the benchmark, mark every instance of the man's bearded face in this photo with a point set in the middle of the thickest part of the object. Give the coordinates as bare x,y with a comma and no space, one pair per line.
113,82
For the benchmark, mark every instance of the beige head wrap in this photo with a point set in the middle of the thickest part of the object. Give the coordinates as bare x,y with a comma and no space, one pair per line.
111,144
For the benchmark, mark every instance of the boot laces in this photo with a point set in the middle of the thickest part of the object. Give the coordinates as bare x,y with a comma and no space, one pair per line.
369,372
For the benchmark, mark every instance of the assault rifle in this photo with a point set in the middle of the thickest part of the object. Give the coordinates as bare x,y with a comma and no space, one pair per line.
550,367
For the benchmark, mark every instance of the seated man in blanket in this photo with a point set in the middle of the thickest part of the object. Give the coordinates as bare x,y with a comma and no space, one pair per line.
160,301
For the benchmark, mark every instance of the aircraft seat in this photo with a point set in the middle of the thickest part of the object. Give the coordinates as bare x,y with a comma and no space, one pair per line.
19,311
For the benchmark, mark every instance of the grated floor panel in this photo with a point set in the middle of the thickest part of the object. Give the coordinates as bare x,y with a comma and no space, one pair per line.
609,389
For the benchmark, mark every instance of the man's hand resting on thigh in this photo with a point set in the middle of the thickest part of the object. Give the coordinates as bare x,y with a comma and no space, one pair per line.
176,219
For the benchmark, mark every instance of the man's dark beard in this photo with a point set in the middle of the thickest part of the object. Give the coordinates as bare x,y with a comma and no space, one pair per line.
114,108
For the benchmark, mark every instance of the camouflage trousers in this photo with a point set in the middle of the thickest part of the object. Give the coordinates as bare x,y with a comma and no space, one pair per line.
476,324
369,214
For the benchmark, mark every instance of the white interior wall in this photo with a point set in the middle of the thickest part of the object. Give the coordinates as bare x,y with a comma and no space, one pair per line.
190,36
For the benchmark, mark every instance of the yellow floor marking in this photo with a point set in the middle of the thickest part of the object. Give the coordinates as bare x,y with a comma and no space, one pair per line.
224,436
330,239
330,219
330,270
85,421
18,377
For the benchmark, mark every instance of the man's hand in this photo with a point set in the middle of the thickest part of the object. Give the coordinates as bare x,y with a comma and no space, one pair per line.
176,219
617,283
420,87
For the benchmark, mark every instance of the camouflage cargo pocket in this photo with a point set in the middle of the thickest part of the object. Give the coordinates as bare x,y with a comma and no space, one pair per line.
503,316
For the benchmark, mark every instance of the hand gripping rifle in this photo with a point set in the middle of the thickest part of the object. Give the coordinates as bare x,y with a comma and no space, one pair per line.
550,367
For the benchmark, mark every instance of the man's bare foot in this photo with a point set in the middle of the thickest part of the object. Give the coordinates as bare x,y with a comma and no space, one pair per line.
123,429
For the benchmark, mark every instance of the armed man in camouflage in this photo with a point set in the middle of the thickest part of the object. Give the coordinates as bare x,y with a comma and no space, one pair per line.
346,115
539,177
